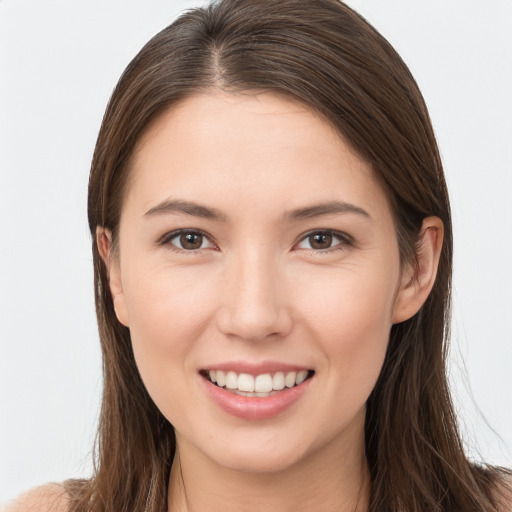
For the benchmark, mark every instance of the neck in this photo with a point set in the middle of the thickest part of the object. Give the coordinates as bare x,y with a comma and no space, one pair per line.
334,479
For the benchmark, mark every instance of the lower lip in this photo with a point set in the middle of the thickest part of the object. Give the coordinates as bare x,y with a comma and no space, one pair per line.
255,408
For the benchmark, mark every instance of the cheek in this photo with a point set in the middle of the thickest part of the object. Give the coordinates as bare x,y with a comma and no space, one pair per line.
350,300
351,316
167,301
168,313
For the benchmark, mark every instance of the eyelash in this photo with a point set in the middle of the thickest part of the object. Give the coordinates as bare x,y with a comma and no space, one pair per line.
344,240
166,240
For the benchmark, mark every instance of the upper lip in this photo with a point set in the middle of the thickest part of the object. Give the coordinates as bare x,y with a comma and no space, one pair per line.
256,368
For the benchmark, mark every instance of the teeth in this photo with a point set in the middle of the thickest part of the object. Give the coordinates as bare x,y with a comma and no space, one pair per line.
245,384
263,383
261,395
290,378
232,380
278,381
221,378
301,377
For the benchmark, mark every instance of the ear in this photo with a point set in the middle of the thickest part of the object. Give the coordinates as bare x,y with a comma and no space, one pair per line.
418,278
104,243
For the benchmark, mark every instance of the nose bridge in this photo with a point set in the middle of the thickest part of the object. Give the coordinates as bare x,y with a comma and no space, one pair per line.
254,302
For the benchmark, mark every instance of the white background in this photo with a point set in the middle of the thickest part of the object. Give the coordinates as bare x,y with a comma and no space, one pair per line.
59,61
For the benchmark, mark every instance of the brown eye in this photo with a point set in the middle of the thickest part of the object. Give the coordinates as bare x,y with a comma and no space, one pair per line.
320,241
189,241
324,241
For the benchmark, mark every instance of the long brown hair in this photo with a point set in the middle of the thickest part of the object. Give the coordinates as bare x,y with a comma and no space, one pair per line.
326,56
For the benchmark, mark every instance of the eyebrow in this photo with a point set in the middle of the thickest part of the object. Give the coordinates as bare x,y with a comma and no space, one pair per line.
329,208
308,212
186,207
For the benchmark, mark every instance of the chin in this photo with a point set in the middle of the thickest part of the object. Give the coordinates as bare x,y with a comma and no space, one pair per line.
259,461
266,450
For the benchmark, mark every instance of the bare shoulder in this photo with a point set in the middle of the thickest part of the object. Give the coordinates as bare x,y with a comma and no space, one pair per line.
47,498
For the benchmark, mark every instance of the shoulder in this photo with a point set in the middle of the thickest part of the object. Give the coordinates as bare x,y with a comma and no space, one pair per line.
47,498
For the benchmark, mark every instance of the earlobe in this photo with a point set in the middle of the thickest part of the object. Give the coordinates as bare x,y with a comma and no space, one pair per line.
104,243
418,279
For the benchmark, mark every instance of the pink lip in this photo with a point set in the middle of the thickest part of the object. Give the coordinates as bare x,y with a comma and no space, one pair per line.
256,368
255,408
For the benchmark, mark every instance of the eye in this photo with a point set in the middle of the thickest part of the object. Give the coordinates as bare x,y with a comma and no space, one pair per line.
188,240
324,240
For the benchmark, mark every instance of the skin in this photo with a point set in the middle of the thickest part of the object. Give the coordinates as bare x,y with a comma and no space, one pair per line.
257,290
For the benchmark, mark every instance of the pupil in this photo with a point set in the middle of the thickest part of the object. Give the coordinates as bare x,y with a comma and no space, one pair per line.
321,241
191,241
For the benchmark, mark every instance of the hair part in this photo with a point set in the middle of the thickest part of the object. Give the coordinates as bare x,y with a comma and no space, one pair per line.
327,57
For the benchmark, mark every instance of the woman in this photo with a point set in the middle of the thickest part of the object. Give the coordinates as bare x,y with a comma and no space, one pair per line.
272,247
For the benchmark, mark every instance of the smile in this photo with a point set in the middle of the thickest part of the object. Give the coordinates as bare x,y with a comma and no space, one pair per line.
263,385
250,395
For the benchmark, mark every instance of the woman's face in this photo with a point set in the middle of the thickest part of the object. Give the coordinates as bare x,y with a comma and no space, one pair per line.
256,245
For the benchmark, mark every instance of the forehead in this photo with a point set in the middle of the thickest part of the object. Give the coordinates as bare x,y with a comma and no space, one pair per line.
244,120
252,148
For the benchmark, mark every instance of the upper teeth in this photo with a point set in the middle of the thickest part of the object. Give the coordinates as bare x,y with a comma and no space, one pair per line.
257,383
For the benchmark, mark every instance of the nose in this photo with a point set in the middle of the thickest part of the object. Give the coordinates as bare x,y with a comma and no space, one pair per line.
254,299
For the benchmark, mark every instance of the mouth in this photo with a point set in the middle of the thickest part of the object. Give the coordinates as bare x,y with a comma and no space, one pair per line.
262,385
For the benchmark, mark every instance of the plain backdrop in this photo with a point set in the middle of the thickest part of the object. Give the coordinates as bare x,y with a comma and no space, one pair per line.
59,61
